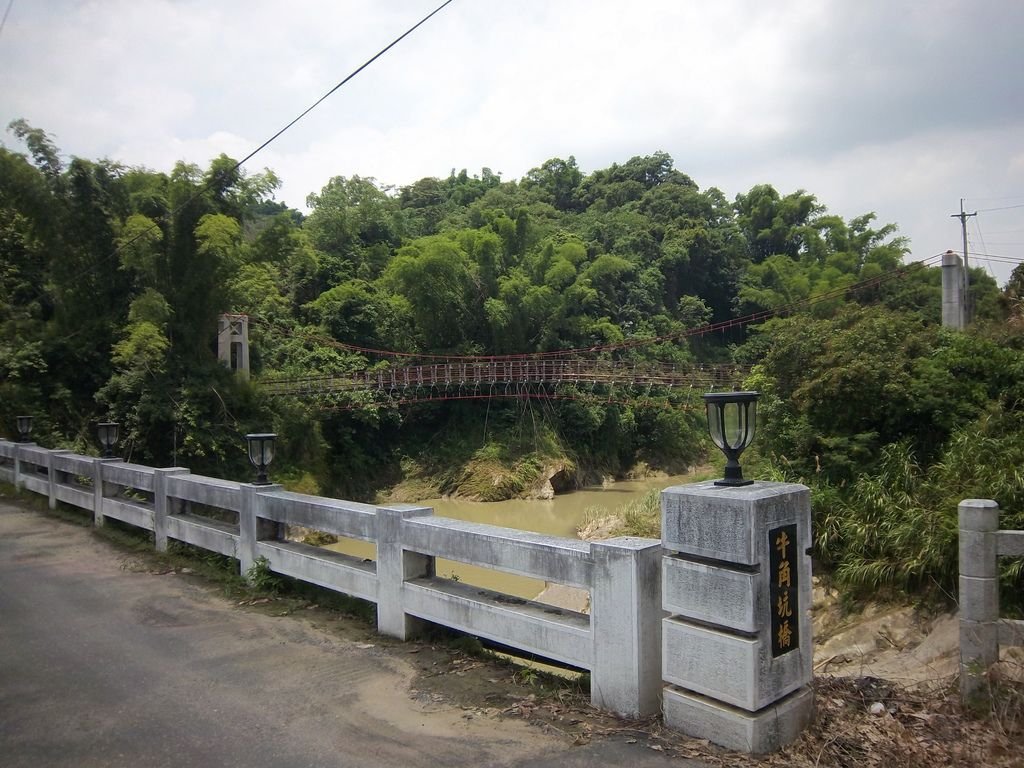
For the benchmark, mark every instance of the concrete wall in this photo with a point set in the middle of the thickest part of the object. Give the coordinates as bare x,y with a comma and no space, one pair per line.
619,643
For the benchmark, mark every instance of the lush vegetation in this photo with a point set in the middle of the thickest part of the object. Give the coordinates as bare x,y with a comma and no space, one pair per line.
111,280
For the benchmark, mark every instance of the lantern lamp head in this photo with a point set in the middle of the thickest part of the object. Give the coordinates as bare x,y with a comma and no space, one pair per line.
24,428
732,418
261,453
107,431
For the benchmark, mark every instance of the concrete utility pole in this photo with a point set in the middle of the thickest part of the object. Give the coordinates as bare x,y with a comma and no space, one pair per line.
953,310
968,306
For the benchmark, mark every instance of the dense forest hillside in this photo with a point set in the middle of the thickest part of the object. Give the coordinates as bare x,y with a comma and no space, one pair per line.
112,279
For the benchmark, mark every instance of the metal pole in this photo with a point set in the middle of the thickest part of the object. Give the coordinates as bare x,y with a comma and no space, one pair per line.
968,305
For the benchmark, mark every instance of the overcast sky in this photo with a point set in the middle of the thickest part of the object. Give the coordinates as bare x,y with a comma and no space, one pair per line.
895,107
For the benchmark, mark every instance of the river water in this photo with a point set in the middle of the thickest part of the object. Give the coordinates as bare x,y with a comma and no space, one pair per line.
560,516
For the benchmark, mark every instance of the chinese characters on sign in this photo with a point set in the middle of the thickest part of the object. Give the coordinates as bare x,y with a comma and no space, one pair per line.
783,592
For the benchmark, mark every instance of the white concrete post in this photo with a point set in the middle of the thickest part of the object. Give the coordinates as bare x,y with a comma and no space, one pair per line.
979,593
625,620
100,489
396,565
161,505
51,476
954,312
18,484
737,647
251,527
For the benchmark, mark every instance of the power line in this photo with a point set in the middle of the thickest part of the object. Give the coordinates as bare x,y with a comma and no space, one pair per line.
984,247
206,186
1002,259
3,21
1002,208
355,72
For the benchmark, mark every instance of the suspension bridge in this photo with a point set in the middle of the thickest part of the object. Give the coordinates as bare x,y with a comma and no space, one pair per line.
560,374
512,377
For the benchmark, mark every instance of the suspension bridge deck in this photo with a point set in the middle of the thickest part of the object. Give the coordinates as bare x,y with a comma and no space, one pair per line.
510,373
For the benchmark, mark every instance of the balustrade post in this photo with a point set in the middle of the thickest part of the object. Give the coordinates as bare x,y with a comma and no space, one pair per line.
251,527
18,483
979,593
395,566
51,476
100,490
625,620
161,504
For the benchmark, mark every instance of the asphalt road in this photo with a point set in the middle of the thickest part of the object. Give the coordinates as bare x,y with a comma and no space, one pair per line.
102,665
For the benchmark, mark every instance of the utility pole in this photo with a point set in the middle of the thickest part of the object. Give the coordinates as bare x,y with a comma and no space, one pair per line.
968,305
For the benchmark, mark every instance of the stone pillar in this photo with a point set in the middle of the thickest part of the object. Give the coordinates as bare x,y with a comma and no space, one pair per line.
51,476
954,312
625,616
252,527
395,566
736,647
979,593
100,489
233,343
161,506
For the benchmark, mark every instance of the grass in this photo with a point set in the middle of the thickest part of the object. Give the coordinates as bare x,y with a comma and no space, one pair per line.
897,528
639,517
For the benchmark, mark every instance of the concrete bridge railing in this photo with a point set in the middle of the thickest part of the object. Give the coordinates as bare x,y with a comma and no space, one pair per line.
619,642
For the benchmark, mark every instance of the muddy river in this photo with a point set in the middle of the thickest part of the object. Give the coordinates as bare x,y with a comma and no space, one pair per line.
560,516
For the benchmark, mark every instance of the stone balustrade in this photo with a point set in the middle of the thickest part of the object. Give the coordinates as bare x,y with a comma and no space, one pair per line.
619,643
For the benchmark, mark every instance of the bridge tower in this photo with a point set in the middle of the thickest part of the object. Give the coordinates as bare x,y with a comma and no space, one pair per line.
233,343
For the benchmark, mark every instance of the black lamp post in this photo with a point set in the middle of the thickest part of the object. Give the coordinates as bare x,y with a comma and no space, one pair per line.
107,431
732,417
261,453
24,428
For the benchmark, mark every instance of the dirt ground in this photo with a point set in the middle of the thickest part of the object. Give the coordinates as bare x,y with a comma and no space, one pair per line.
886,690
889,697
886,695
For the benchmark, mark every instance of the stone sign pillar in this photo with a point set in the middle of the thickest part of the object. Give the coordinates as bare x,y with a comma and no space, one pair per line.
736,583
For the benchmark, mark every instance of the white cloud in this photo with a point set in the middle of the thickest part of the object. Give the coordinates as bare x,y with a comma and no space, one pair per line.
894,107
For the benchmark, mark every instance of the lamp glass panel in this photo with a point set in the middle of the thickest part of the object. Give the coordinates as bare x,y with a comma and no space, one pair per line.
733,417
739,424
715,424
108,433
261,448
254,450
750,421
